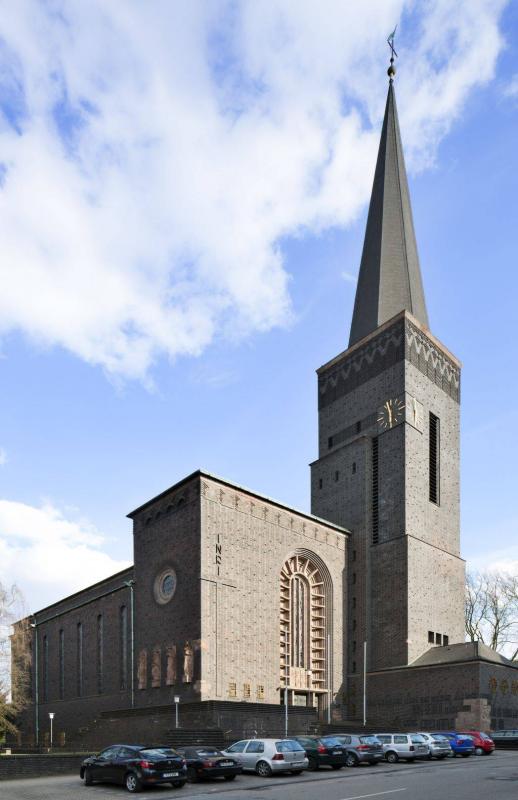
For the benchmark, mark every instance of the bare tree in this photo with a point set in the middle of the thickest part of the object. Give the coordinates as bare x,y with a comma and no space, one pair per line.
15,657
491,611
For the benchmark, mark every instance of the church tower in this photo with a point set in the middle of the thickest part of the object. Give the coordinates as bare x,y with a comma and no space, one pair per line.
388,466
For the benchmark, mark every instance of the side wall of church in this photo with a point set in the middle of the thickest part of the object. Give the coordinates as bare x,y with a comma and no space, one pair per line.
245,542
77,677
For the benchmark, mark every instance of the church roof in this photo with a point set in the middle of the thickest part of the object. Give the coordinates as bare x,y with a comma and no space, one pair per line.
389,280
199,473
462,652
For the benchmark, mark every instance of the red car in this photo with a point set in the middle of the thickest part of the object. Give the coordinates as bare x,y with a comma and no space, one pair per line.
484,745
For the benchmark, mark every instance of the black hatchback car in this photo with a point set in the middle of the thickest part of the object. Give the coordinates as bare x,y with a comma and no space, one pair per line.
323,751
209,762
134,767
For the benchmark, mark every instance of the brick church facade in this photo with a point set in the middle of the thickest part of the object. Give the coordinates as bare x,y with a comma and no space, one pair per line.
234,597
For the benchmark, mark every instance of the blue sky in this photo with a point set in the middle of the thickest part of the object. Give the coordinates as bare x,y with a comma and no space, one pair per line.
182,209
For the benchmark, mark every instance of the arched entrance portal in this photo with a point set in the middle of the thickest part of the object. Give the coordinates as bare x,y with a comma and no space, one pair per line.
305,647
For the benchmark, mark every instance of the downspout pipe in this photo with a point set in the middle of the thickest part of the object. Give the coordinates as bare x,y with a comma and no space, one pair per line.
36,684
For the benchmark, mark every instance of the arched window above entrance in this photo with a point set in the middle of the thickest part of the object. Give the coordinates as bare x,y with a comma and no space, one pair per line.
304,606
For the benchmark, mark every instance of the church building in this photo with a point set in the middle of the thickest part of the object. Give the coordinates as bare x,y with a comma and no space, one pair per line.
354,613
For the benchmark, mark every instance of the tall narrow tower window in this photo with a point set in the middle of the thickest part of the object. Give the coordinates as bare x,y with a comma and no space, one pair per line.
61,664
375,491
123,647
434,455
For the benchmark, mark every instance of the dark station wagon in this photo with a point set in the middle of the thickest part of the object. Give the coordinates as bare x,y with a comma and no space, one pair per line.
208,762
134,767
323,751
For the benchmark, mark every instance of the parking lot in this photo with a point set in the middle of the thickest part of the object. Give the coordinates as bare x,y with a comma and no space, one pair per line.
494,777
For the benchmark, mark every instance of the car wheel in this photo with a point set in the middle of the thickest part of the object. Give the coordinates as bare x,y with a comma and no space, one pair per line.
177,784
192,775
312,764
479,751
132,783
351,760
263,769
87,777
296,772
230,777
392,757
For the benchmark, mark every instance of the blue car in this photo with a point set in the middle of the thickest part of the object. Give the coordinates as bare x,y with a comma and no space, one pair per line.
461,744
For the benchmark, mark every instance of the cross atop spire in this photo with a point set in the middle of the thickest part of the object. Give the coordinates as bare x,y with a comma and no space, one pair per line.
389,280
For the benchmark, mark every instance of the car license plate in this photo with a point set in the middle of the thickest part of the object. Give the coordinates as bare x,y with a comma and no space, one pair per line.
170,775
338,752
226,764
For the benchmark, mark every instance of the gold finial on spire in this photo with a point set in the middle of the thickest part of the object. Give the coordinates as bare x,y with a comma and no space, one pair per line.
390,41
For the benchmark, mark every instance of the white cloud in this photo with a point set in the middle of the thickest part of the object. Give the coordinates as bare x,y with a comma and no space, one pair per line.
49,555
511,89
3,457
154,154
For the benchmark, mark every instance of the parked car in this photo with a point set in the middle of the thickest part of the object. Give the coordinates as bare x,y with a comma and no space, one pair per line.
266,756
484,745
403,745
461,744
323,751
209,762
504,738
134,767
438,744
359,748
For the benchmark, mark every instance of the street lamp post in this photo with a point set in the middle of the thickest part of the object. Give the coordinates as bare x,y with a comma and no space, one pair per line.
176,702
51,717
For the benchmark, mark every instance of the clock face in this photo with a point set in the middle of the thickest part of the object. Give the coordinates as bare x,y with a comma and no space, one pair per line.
391,413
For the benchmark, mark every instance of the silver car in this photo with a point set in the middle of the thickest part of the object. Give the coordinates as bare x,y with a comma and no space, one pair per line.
439,745
266,756
403,745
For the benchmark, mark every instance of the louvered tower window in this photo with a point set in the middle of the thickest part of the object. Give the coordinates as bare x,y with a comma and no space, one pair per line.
375,491
434,456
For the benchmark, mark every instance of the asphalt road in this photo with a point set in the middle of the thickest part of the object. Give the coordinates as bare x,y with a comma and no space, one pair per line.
492,777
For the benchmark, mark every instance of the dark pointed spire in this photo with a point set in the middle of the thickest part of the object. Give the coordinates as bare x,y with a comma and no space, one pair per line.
390,277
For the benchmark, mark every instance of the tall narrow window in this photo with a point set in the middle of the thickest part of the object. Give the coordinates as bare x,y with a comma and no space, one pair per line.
434,459
304,658
375,491
45,669
79,659
100,654
123,647
61,665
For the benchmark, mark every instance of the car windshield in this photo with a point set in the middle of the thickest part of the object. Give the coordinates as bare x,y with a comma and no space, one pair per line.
331,741
485,736
288,746
463,737
417,738
439,738
369,740
207,751
158,752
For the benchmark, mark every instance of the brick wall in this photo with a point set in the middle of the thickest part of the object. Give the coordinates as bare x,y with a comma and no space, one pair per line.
29,766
